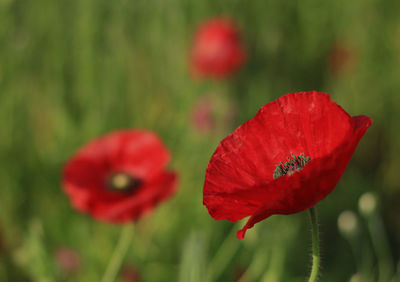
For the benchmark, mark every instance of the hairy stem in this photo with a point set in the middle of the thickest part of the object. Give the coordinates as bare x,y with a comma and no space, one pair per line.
315,244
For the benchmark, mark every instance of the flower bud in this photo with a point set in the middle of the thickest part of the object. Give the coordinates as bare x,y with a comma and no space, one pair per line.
348,223
367,204
356,277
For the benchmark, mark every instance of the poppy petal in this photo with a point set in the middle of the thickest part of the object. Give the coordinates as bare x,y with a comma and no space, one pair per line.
140,153
256,217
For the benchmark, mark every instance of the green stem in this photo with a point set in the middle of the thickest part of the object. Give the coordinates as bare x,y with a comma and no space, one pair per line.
119,253
223,256
381,246
315,244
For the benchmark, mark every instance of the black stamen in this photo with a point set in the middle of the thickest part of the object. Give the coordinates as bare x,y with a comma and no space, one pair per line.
123,182
293,164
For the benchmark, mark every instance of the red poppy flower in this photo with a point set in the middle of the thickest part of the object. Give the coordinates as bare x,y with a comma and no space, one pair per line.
284,160
120,176
217,50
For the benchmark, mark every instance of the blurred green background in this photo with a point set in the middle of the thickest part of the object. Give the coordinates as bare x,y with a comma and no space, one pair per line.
71,70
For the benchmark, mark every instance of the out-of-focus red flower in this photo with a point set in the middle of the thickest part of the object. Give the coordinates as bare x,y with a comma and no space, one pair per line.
341,58
130,274
238,274
213,113
68,260
284,160
217,49
119,176
202,117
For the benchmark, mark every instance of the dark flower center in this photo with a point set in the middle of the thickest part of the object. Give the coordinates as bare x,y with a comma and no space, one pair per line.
293,164
123,182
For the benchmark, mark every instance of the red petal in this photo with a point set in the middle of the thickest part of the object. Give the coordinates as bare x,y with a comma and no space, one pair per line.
259,215
140,153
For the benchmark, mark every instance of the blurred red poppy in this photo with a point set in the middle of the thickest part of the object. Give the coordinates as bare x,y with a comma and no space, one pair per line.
284,160
130,274
202,115
342,58
212,113
120,176
68,260
217,50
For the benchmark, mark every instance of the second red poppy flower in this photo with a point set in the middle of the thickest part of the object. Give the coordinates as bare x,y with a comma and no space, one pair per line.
217,50
120,176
